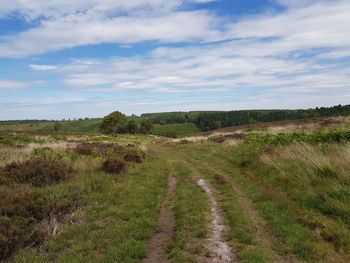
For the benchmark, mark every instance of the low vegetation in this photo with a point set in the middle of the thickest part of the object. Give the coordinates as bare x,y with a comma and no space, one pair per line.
38,172
283,194
114,165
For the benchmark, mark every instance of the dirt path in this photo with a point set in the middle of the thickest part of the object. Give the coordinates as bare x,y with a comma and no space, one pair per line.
262,234
219,250
157,244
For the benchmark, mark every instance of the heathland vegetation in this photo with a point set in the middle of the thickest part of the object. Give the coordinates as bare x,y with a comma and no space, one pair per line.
264,192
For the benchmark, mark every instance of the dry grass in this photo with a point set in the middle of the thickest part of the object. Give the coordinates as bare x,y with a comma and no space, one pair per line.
337,156
11,154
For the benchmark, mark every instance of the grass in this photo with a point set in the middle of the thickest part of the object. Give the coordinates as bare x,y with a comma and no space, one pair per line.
174,130
82,126
92,126
241,229
191,210
120,215
292,224
292,221
313,137
108,209
296,184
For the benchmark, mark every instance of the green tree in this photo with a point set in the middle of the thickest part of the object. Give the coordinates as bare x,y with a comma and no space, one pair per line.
114,123
216,125
131,127
57,126
146,126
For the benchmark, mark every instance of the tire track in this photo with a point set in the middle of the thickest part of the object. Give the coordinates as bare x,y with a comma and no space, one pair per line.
156,246
262,234
220,251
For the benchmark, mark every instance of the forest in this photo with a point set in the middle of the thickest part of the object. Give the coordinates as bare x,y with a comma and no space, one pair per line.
210,120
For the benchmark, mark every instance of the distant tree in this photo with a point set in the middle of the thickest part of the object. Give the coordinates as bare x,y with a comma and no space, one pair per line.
131,127
251,121
146,126
57,126
114,123
216,125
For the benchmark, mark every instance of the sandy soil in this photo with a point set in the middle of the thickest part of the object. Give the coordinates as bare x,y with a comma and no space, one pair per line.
220,252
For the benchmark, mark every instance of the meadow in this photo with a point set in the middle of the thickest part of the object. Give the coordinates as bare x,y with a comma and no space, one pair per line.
91,126
278,193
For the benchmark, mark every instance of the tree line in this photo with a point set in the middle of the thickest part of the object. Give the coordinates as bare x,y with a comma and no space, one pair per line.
209,120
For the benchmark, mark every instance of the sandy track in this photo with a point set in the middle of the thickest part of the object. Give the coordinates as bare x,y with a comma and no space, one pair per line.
262,234
220,252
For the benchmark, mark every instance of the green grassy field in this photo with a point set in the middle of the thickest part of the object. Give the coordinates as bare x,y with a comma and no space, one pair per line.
92,126
174,130
281,197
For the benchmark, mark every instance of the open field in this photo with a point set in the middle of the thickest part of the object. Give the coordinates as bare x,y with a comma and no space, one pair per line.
92,126
278,192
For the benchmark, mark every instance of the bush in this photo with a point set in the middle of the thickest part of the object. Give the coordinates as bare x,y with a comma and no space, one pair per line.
16,233
39,172
21,212
101,148
114,165
133,157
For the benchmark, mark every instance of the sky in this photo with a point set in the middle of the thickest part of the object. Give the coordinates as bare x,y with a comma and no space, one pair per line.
86,58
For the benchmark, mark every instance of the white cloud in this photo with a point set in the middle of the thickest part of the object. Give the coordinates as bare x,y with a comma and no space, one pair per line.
264,61
325,24
203,69
43,67
31,9
12,84
302,3
320,24
77,30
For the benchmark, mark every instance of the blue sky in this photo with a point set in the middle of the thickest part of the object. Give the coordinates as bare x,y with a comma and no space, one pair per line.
87,58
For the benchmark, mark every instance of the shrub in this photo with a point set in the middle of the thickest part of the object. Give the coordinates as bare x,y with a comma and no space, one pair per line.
133,157
114,165
39,172
21,213
101,148
16,233
18,201
84,149
220,179
219,139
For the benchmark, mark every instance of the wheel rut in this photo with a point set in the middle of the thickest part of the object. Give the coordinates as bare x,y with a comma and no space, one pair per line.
156,246
220,251
262,234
